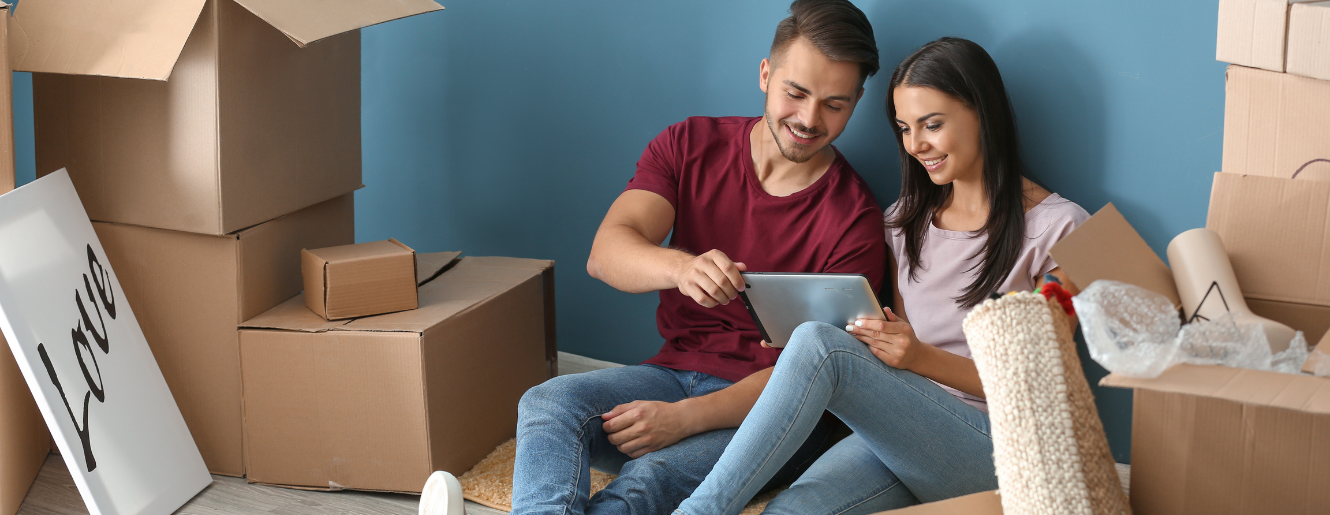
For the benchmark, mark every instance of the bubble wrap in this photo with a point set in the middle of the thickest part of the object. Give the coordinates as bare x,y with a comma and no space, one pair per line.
1136,332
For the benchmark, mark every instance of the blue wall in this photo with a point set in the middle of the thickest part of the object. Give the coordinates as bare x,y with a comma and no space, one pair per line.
500,127
505,127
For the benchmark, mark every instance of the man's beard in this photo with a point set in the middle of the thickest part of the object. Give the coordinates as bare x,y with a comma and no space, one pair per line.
793,153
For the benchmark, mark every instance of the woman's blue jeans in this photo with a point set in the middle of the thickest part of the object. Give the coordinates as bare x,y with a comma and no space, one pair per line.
913,442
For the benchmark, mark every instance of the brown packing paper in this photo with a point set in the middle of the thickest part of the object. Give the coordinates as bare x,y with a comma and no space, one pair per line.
378,403
189,291
149,153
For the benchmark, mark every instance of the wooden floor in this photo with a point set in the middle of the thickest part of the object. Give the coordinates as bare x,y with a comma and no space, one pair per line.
54,492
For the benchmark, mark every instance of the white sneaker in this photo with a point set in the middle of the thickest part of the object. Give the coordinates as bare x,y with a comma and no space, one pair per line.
442,495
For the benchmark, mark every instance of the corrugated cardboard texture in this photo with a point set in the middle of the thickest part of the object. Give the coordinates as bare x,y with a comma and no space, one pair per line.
1277,233
360,280
1274,123
190,291
24,442
1311,319
305,21
334,410
6,111
138,39
1107,247
1251,33
982,503
1309,40
151,154
479,342
1218,440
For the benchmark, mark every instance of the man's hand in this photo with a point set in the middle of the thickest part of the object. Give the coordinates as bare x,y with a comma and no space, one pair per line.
711,279
640,427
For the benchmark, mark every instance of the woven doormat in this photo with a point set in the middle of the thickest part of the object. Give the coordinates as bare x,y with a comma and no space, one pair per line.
490,482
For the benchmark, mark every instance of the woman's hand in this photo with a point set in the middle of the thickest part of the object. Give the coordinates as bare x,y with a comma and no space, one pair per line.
891,340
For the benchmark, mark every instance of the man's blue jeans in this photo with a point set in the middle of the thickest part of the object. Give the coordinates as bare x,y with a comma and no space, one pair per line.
913,442
559,438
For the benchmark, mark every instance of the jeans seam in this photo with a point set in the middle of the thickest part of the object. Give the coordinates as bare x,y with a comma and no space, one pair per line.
920,392
786,431
577,479
869,498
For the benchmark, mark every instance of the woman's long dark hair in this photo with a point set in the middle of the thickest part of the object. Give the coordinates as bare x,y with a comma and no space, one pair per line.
963,70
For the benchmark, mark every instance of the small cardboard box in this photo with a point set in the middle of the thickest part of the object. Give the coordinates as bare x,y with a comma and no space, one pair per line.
249,126
190,291
1208,439
1309,40
982,503
379,403
24,441
359,280
1275,124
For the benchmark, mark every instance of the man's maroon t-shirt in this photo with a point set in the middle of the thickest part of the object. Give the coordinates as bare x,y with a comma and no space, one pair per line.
704,168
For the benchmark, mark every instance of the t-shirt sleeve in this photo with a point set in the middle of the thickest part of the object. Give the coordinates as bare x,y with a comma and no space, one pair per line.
1061,220
863,249
659,168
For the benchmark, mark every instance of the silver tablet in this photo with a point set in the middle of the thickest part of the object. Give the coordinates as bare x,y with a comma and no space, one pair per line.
779,302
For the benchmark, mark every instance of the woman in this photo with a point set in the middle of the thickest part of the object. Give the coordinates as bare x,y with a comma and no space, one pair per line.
967,224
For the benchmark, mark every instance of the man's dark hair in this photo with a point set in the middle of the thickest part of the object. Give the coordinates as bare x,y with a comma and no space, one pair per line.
836,27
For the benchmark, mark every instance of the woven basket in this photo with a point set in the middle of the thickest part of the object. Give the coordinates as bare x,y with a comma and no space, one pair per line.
1049,447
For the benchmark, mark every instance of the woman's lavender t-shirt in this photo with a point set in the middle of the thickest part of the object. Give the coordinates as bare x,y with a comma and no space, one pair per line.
947,255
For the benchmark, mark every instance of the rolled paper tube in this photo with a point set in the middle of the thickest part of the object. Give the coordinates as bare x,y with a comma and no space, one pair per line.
1208,289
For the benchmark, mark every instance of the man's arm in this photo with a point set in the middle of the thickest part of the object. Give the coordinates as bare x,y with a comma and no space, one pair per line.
641,427
627,255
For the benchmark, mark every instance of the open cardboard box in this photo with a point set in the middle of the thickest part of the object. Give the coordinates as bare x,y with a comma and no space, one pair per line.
1275,35
1209,439
202,116
378,403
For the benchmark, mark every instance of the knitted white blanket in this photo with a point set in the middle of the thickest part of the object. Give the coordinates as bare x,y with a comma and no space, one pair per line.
1049,447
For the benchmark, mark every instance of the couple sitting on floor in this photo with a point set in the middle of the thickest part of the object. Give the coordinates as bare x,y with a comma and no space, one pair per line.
715,417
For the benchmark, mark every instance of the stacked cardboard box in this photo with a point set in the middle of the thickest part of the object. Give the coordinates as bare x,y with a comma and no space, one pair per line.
210,145
24,441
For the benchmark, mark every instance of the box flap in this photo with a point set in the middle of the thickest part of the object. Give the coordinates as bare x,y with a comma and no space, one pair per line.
134,39
306,21
292,315
1277,234
1107,247
430,265
982,503
360,251
1254,387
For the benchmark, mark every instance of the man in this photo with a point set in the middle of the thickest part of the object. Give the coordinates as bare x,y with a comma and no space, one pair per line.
739,194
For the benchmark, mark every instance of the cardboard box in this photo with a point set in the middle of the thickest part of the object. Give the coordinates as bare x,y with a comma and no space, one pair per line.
1218,440
1253,32
249,126
379,403
24,441
1210,439
1277,234
1309,40
190,291
359,280
982,503
1275,124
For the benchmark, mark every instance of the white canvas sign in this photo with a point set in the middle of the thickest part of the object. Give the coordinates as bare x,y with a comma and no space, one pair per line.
86,360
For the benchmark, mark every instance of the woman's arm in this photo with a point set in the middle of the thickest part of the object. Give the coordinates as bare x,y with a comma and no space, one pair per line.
893,341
